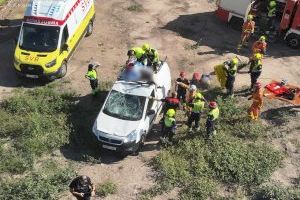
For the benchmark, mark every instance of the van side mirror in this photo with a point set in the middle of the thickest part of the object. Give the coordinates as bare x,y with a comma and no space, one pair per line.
65,47
150,112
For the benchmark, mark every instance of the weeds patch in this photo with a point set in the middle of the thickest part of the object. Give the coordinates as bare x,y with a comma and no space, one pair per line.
32,123
135,8
234,156
106,188
46,183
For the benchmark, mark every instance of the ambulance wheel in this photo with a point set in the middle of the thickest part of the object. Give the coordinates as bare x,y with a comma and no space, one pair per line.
89,29
293,41
63,70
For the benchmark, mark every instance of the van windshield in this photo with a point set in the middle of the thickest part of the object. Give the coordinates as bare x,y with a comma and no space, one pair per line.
39,38
124,106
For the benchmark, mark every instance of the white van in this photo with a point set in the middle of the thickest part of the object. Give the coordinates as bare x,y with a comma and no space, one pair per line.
50,32
127,115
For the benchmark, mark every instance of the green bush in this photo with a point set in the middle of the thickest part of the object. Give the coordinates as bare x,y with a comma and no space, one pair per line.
44,184
135,8
106,188
33,122
197,165
275,192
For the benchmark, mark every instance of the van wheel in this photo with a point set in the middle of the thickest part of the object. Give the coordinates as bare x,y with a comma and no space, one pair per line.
63,70
293,41
89,29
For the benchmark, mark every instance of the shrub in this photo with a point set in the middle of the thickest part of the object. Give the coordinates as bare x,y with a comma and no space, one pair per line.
197,166
33,122
135,8
44,184
106,188
276,192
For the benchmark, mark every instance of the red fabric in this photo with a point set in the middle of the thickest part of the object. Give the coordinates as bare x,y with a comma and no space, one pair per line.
248,26
276,88
172,100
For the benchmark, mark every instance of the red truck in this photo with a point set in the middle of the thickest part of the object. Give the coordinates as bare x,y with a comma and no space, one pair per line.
286,25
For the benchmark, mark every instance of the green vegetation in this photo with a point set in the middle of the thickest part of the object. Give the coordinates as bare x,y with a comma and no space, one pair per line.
2,2
198,166
45,183
135,8
106,188
33,124
276,191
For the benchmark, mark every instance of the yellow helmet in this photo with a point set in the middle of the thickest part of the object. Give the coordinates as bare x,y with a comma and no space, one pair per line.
235,61
262,38
272,3
250,17
258,56
146,47
171,112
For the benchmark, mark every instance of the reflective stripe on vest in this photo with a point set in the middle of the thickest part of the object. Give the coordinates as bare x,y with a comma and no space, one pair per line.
169,121
214,113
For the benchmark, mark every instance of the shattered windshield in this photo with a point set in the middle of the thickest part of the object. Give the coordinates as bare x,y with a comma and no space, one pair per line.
39,38
124,106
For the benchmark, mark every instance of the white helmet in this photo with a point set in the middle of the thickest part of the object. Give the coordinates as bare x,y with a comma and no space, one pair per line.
193,87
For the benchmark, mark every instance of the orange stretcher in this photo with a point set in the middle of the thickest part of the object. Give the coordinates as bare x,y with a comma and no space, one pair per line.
288,93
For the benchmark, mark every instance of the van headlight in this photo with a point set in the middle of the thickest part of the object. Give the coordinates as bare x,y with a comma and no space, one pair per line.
131,137
51,64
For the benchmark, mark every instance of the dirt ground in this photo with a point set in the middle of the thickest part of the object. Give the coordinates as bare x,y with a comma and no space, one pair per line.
173,27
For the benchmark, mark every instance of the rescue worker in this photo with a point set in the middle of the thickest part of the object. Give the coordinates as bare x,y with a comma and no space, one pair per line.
182,84
151,55
255,68
92,76
196,80
171,102
169,126
212,118
231,70
248,29
260,46
82,188
271,13
138,52
257,97
197,107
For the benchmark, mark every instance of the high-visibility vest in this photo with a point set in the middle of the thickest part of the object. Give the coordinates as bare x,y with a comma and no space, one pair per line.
169,121
153,55
256,66
214,114
138,52
198,106
92,75
272,11
232,70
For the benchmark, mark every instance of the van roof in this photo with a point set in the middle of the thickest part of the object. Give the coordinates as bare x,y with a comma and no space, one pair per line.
134,88
50,12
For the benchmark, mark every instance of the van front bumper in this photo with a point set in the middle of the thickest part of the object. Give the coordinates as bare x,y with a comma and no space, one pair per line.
34,72
129,147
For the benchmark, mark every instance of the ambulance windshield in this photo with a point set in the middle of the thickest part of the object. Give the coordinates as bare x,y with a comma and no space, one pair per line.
39,38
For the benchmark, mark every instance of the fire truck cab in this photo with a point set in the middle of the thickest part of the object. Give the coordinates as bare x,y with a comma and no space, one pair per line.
287,24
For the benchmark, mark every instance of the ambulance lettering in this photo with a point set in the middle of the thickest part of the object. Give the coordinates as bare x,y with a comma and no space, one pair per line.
32,58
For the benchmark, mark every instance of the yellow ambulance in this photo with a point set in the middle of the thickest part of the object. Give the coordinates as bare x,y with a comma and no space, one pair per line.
50,32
